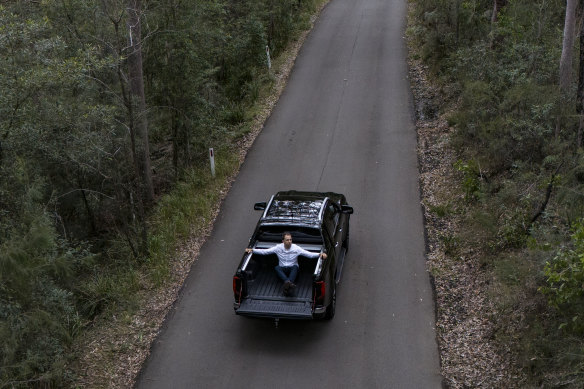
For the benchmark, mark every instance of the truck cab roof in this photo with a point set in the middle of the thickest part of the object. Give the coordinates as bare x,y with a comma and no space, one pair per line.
297,208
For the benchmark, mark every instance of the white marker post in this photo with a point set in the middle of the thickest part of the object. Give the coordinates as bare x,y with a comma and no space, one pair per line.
212,159
268,54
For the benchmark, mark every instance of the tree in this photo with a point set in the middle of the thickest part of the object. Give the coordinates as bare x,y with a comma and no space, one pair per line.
137,101
567,53
580,90
497,6
568,46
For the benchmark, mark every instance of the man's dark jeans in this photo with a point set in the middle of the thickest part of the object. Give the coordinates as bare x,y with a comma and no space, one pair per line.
287,273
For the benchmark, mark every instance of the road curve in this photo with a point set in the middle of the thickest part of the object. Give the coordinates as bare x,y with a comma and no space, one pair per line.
344,123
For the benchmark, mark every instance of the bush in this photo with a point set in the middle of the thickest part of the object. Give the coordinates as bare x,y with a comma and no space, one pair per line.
506,109
565,278
564,283
470,178
38,316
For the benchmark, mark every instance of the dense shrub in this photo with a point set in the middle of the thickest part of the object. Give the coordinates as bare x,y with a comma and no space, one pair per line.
565,277
38,312
75,228
520,166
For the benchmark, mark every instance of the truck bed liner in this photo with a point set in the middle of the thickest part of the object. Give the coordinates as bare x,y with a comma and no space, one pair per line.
265,296
268,285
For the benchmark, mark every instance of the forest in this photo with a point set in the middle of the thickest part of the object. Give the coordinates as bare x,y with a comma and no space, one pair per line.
107,112
511,80
108,109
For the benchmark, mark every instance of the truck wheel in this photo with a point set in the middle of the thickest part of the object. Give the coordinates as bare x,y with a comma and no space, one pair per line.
330,310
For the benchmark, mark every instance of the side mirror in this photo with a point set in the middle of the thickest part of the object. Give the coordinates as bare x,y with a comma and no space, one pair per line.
260,206
347,209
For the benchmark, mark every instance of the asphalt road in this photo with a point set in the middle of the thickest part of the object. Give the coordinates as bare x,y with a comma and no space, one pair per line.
344,123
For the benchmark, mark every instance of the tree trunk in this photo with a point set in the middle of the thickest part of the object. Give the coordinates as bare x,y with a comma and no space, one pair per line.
580,91
567,54
139,124
497,6
138,120
567,46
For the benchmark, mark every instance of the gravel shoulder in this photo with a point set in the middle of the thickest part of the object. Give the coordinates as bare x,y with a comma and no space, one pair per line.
465,316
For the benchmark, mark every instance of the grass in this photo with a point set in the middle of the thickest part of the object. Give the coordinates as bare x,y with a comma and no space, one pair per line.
441,210
187,210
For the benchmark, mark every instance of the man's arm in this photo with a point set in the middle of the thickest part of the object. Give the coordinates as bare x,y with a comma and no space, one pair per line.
309,254
271,250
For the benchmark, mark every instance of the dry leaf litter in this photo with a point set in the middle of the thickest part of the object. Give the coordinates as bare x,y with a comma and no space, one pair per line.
470,356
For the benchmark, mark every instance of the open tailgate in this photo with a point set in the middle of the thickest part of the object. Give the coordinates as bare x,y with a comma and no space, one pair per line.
275,308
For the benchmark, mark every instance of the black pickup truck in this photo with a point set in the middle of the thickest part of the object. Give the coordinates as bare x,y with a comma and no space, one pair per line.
318,222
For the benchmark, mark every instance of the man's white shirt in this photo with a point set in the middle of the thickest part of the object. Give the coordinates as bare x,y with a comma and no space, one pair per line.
288,257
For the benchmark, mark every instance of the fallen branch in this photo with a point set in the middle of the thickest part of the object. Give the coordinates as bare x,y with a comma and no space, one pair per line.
548,194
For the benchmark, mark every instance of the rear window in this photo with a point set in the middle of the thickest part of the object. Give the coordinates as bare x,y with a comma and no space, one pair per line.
299,235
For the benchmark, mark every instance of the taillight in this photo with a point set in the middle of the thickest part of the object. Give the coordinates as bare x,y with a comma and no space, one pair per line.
319,290
237,284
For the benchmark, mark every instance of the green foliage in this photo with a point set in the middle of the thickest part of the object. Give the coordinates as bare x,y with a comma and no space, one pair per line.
186,211
470,181
571,188
565,274
510,121
38,314
72,216
445,25
441,210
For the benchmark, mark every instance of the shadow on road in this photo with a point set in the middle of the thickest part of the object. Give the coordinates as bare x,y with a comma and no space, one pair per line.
262,335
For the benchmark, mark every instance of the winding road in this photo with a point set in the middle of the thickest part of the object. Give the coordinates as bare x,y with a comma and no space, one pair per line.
344,123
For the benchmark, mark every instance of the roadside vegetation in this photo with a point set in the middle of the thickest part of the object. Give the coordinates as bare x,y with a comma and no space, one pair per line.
510,84
107,112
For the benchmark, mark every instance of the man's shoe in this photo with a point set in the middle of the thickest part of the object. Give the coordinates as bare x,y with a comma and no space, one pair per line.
287,285
291,289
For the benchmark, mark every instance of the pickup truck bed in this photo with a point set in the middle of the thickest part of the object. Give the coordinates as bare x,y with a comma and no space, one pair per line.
265,290
268,285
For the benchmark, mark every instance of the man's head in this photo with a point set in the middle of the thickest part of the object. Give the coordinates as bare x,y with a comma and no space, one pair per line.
287,240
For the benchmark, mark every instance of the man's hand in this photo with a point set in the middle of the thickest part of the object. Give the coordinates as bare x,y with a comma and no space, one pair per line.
323,255
248,250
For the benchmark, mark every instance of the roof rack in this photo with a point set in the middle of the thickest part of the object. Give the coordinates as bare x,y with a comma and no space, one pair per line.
306,211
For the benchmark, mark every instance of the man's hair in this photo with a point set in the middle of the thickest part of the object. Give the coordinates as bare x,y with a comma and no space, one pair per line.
286,233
